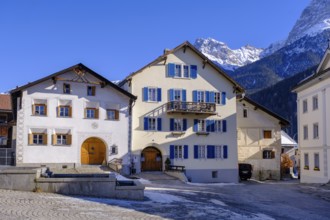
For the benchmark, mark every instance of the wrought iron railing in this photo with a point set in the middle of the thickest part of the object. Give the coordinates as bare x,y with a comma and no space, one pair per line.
191,107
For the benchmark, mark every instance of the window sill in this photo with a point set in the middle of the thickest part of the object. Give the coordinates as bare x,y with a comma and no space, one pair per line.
91,118
40,115
61,145
111,119
64,116
306,167
38,145
202,133
316,169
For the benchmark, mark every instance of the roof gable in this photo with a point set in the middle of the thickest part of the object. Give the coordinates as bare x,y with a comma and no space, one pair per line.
79,69
184,46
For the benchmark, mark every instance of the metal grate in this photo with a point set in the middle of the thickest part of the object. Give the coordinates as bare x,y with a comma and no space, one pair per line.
7,157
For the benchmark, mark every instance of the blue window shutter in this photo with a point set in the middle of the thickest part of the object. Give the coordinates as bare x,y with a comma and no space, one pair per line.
210,151
212,125
224,126
196,151
193,71
170,70
145,94
159,94
223,98
194,96
225,151
195,125
208,125
184,124
171,94
159,124
171,124
184,95
212,97
185,151
207,98
171,151
146,124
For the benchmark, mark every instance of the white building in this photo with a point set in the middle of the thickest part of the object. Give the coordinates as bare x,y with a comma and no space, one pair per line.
313,100
70,118
185,111
259,139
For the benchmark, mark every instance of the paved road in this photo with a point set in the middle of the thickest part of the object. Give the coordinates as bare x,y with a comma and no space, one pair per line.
171,199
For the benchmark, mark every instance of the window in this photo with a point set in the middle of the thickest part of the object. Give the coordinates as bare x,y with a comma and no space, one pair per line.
316,131
114,150
39,109
177,95
305,106
200,96
91,113
267,134
185,71
201,151
218,125
177,70
91,90
306,162
66,88
268,154
214,174
305,128
217,98
38,139
64,111
218,151
178,152
245,113
178,124
61,139
112,114
152,124
317,162
152,94
315,103
201,126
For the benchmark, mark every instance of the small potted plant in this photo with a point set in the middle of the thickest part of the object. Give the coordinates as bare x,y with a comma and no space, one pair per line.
167,164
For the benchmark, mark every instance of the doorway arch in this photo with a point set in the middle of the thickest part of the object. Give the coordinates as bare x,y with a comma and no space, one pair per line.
93,151
151,159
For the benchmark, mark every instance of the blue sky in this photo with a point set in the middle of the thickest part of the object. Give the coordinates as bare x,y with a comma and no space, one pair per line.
117,37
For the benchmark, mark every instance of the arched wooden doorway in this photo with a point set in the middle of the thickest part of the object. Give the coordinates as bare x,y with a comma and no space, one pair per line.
93,151
151,159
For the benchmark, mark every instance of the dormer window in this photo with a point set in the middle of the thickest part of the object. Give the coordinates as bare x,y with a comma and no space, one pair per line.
91,90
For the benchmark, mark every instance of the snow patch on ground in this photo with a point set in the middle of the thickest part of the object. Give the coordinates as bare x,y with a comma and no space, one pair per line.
163,198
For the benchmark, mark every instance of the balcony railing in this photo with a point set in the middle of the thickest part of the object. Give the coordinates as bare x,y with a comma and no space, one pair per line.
191,107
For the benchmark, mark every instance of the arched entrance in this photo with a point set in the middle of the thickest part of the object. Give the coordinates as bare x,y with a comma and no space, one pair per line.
93,151
151,159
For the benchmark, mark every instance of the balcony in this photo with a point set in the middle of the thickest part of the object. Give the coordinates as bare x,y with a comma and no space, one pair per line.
191,108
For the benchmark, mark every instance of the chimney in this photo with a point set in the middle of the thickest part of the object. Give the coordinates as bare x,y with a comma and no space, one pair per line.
166,51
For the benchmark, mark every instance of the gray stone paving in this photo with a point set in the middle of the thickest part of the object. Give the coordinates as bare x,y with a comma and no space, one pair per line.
166,198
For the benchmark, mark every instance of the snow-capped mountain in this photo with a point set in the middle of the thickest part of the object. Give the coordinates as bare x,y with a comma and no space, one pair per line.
226,57
313,20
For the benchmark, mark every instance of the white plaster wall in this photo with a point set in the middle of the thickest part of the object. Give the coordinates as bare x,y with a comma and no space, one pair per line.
321,144
251,142
208,79
111,132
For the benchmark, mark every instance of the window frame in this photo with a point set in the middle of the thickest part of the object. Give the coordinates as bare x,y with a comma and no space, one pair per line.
315,102
305,106
177,123
245,113
305,132
218,151
60,111
316,134
217,97
268,154
306,161
152,121
178,151
91,90
155,94
267,134
38,106
201,124
87,113
316,161
63,139
115,114
202,151
201,94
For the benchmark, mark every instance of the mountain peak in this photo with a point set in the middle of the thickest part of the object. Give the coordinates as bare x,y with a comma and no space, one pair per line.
228,58
314,19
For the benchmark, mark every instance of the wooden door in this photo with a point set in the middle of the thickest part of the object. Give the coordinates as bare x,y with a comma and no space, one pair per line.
151,160
93,151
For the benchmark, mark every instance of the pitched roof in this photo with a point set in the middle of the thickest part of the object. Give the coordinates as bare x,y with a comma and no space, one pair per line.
185,45
80,65
5,102
283,121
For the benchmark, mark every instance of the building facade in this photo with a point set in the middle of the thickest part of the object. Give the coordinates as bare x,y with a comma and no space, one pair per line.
313,106
70,118
259,139
7,131
186,112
